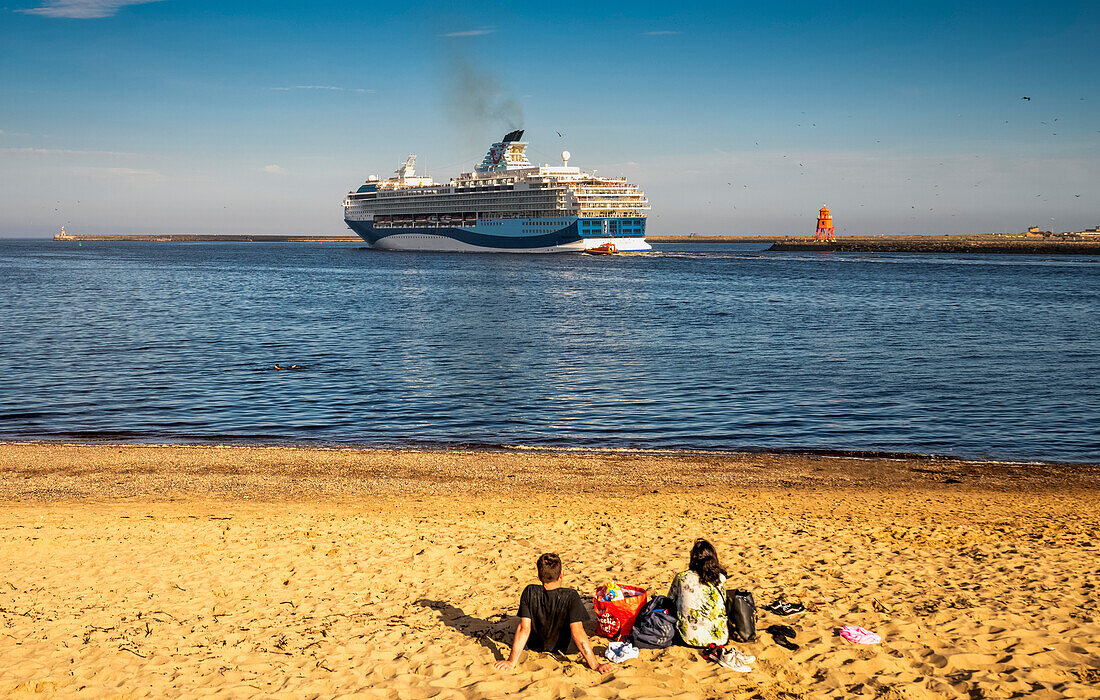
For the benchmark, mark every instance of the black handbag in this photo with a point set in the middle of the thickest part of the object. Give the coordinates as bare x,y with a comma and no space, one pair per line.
741,611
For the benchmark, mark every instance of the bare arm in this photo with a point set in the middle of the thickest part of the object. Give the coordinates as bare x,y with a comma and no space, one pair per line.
520,641
581,639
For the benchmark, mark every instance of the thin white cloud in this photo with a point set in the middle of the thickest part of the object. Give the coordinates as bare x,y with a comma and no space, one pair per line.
132,172
321,87
82,9
660,32
274,169
471,32
62,152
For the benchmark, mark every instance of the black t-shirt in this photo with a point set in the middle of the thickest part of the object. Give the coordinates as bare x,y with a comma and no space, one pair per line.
551,613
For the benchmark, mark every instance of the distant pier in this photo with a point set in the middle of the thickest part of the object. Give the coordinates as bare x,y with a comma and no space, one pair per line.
693,238
980,244
988,243
204,238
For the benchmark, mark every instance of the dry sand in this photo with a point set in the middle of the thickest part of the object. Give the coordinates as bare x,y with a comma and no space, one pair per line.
133,571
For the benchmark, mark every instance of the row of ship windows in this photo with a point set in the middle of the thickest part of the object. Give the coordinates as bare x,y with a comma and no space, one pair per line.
528,227
582,192
486,221
623,224
470,205
550,217
543,210
481,212
596,224
523,194
541,223
540,194
585,226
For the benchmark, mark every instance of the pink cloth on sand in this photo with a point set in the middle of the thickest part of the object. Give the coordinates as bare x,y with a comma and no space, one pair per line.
858,635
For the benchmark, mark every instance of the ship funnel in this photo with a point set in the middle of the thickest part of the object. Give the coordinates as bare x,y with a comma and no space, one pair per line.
506,154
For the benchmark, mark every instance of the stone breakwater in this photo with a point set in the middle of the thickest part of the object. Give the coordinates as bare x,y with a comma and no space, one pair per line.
203,238
984,244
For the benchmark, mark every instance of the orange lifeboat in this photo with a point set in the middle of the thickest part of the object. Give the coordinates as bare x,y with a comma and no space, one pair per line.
602,249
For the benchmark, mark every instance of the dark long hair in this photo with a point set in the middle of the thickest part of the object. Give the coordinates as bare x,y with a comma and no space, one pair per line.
704,561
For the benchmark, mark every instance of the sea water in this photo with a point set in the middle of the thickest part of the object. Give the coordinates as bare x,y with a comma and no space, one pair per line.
691,346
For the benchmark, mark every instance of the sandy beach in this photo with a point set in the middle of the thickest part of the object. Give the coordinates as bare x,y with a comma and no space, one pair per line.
171,571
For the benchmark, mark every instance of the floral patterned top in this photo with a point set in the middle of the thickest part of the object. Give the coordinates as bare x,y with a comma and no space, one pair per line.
700,609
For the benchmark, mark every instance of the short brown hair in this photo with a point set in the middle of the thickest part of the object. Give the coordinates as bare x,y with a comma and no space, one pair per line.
549,567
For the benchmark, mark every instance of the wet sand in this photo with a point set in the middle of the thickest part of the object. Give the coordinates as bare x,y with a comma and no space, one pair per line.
134,571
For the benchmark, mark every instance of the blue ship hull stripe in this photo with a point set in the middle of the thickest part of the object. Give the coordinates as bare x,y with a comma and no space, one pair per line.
569,234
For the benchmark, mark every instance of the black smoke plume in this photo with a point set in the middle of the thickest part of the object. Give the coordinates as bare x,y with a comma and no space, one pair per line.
478,103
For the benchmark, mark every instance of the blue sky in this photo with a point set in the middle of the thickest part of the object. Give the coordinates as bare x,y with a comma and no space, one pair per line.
179,116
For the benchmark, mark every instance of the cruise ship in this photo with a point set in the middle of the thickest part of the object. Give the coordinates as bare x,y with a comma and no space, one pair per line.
505,205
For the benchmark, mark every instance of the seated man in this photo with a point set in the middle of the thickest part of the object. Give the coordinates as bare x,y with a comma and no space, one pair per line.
551,618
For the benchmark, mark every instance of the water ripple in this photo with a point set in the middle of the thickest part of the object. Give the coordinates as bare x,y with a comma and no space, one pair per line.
712,347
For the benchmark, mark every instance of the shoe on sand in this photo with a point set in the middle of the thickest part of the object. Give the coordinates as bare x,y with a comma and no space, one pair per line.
736,657
782,607
731,661
780,634
619,652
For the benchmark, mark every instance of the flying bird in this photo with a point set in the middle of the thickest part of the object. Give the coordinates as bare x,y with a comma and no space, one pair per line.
1026,98
558,133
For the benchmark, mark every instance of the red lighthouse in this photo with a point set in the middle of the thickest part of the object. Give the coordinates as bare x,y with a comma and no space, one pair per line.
824,225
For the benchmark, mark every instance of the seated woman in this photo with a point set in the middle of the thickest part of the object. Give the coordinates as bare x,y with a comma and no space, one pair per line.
700,595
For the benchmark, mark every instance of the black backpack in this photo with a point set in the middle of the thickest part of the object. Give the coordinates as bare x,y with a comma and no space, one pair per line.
655,627
741,610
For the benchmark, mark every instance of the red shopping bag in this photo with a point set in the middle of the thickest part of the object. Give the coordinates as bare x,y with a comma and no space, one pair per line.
616,617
